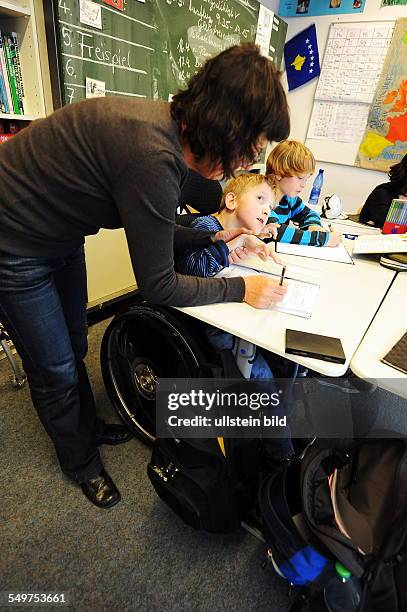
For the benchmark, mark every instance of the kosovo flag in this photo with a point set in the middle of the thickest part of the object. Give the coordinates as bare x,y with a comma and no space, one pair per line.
301,58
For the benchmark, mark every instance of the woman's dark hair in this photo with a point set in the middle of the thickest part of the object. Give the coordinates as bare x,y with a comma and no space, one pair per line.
235,98
398,175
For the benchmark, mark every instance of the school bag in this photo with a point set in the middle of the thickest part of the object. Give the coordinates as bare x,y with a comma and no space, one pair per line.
210,483
352,507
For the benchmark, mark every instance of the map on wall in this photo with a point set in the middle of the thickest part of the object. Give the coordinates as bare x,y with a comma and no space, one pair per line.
385,139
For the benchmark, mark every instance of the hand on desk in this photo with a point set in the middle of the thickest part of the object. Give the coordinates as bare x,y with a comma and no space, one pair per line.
263,292
316,228
334,239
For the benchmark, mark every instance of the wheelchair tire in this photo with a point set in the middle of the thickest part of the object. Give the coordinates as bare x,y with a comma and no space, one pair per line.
138,347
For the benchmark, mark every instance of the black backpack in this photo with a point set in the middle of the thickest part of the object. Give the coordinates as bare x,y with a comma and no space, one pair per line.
210,483
371,503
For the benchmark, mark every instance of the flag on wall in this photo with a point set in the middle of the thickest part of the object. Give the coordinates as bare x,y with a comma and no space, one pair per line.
302,58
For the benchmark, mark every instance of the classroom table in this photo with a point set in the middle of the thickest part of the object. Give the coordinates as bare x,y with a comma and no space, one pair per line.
349,298
387,327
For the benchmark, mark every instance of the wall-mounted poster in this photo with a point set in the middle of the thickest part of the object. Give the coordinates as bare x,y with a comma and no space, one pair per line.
385,140
300,8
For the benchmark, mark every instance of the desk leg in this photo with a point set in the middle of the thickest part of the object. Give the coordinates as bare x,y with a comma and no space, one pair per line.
245,352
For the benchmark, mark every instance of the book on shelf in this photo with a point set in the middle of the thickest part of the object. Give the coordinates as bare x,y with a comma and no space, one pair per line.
11,71
4,72
15,48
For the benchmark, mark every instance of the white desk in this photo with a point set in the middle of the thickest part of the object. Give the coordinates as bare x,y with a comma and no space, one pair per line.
389,324
348,301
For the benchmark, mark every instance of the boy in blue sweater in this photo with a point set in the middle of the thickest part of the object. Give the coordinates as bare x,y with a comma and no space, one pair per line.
246,202
289,166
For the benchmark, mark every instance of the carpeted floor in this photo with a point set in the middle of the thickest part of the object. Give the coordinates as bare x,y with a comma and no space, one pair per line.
135,556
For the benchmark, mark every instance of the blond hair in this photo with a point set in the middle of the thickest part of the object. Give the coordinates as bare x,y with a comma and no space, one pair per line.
240,184
289,158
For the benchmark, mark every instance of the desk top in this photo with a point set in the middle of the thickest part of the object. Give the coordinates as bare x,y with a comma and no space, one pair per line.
349,298
387,327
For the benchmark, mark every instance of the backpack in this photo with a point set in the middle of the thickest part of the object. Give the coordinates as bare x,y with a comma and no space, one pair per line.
362,488
211,484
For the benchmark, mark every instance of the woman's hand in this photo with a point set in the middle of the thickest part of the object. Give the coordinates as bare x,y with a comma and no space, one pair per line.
230,234
263,292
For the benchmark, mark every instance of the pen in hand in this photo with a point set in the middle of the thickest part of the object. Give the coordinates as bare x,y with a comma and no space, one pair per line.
282,275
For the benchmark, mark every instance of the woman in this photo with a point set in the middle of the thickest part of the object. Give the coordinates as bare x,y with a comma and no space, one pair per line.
377,205
118,162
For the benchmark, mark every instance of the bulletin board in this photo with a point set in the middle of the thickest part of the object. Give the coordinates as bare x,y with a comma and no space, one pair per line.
354,57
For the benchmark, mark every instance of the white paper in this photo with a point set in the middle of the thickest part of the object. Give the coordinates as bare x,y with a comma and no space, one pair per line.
339,253
300,299
95,88
381,244
353,62
346,226
264,27
90,14
339,121
301,296
302,273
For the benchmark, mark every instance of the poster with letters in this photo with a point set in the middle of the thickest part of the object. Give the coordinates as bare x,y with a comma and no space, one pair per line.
310,8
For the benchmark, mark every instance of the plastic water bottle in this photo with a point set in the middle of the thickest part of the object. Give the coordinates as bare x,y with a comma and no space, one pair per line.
343,592
316,189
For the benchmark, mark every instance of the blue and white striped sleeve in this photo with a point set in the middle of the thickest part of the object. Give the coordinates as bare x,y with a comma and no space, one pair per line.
302,214
208,261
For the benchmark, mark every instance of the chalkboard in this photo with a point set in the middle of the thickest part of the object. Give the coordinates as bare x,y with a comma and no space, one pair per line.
149,49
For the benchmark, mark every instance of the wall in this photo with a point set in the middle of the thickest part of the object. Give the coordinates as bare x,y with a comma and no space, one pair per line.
352,184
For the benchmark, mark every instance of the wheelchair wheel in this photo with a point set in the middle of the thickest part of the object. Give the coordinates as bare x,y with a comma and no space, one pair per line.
138,347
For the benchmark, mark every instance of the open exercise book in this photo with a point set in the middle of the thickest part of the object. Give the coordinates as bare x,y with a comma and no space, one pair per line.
303,283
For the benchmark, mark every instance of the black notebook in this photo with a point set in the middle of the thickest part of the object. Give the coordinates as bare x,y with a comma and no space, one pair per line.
397,356
314,345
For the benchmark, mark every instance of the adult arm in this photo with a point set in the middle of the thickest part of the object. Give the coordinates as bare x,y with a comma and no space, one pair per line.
146,198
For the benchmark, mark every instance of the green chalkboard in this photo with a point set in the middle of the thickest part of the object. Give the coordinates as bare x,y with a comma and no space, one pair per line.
148,49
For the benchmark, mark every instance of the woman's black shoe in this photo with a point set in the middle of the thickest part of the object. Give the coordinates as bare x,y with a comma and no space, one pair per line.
101,490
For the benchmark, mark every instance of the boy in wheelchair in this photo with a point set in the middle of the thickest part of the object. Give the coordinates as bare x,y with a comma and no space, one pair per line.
246,201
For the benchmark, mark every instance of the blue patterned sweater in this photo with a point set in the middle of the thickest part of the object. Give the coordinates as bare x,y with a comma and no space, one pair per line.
294,209
208,261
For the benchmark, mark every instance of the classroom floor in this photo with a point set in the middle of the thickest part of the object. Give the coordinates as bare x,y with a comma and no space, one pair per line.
135,556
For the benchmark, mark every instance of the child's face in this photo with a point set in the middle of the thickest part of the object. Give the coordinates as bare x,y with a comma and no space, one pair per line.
252,207
292,186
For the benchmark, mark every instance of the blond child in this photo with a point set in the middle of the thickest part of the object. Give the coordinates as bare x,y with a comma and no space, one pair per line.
246,202
289,166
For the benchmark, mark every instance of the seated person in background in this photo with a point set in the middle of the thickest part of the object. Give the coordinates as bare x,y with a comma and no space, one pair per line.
246,202
289,166
377,205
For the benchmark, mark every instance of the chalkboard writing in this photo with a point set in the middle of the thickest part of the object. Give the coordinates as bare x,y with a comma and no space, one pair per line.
148,49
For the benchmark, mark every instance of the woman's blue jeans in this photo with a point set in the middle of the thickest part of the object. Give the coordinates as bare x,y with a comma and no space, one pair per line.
43,308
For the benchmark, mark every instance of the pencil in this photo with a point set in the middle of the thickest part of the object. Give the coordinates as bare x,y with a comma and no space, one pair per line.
331,227
282,274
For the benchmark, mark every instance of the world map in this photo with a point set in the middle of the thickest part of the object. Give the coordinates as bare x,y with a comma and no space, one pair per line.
385,139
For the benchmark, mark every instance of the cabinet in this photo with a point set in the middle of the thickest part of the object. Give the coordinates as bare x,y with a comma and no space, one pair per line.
19,16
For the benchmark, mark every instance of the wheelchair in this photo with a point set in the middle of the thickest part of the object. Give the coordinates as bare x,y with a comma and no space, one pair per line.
141,345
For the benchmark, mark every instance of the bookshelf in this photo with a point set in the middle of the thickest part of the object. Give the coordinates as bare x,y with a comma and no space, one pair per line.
19,16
